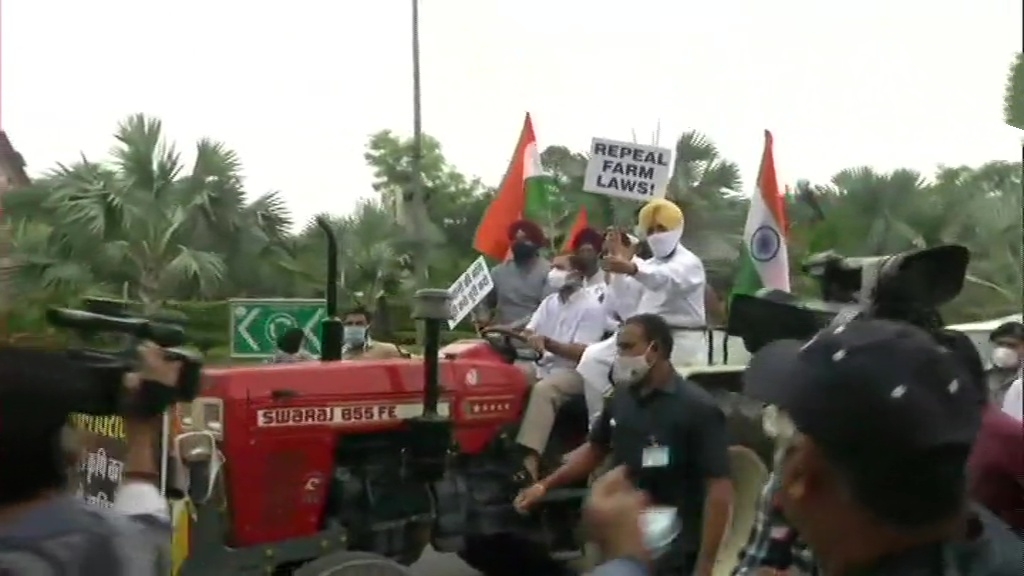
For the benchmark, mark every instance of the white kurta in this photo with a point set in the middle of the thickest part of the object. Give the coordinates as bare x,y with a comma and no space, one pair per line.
672,288
622,297
596,286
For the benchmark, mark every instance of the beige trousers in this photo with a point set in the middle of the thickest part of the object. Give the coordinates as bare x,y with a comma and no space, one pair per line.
529,369
545,399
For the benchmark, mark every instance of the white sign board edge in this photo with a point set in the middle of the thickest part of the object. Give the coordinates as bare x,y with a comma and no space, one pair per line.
462,286
638,172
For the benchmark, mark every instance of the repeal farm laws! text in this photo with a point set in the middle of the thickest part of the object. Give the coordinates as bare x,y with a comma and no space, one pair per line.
627,170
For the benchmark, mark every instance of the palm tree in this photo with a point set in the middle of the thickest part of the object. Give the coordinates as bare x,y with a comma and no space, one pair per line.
1013,101
869,213
137,221
374,262
980,208
709,190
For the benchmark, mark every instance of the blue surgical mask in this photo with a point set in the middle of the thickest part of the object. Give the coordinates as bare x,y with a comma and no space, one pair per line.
354,335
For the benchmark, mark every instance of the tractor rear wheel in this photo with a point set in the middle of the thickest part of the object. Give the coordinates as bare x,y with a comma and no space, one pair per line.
509,555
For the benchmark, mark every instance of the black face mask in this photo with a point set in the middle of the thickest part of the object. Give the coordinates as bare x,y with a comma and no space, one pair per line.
523,251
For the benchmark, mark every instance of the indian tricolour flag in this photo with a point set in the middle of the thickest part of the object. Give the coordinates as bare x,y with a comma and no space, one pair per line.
765,258
525,192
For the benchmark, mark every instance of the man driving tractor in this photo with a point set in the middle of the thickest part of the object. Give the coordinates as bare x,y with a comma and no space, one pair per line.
564,324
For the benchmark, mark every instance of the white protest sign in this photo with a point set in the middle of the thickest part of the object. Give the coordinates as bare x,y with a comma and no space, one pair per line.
626,170
469,290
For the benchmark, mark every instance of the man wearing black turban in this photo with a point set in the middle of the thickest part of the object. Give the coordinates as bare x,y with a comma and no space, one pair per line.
520,283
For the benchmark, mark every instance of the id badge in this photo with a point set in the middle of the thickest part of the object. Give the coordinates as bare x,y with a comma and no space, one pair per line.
655,457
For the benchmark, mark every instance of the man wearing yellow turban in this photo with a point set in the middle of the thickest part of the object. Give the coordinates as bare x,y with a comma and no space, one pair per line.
673,283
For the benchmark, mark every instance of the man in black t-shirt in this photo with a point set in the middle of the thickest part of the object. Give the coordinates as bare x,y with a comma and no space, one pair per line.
670,434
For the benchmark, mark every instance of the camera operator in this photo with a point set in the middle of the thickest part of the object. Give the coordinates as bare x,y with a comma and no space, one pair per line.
44,528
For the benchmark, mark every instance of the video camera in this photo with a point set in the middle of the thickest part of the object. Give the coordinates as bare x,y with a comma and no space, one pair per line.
907,286
106,369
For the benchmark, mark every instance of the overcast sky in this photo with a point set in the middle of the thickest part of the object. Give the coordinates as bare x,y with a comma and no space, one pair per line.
296,87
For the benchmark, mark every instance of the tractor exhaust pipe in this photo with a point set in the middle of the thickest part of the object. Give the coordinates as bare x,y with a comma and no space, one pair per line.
431,433
331,327
431,306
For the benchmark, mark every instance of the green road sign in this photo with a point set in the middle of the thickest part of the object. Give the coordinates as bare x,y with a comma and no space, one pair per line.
256,324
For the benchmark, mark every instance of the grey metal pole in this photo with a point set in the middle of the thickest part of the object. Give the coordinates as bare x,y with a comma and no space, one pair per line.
419,201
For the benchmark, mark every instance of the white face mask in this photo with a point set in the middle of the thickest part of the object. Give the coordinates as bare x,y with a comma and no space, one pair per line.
556,278
663,243
1003,357
628,370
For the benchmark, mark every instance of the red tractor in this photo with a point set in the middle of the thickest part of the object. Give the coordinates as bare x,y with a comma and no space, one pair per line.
311,468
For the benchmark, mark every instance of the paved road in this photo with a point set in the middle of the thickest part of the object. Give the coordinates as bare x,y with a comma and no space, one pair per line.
437,564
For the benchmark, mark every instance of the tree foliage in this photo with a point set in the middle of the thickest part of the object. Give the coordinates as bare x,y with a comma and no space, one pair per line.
143,224
1013,103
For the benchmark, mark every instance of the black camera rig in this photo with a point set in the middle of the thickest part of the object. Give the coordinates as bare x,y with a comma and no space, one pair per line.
908,286
108,394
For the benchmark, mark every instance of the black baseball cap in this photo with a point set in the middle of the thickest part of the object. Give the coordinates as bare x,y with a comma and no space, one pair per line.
869,391
39,389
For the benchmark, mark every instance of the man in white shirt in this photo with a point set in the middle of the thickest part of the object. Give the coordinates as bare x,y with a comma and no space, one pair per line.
673,283
1007,358
564,324
1013,402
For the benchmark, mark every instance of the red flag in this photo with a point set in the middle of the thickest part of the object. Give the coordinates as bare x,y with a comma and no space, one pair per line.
582,222
508,204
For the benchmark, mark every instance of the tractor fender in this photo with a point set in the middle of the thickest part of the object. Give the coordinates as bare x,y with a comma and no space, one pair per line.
749,475
351,563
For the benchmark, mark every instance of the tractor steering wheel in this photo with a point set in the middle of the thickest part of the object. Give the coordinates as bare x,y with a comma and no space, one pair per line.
504,341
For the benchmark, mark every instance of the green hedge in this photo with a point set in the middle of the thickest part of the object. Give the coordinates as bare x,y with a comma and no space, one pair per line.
206,325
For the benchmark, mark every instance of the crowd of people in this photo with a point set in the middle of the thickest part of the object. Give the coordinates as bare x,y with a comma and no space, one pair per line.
920,452
896,452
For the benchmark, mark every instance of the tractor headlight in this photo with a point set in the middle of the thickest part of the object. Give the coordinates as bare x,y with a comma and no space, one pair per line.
183,416
203,414
212,414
